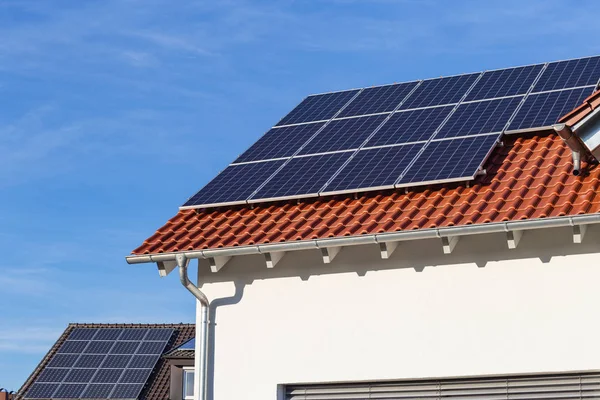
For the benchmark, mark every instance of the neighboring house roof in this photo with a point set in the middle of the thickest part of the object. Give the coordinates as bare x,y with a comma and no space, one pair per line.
528,178
186,350
157,385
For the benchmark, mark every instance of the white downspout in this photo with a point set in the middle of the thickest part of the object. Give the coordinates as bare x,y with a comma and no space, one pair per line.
201,350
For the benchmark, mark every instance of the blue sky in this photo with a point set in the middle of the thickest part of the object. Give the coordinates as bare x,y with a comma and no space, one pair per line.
114,112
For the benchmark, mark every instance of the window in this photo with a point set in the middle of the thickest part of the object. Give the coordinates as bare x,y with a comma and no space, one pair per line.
188,383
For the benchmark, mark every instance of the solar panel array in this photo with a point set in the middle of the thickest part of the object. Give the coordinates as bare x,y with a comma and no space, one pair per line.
407,134
104,363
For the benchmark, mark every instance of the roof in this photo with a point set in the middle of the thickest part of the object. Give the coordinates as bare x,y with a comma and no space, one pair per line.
527,178
157,386
589,104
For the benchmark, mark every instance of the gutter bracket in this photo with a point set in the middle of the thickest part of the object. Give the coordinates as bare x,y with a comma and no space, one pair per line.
273,258
449,243
329,253
387,248
513,238
165,267
216,263
579,233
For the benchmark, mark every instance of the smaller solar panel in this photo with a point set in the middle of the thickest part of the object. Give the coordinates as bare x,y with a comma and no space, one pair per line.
318,107
143,361
133,334
374,168
127,391
544,109
440,91
124,348
116,361
189,345
41,390
410,126
82,375
569,74
162,334
90,360
98,391
343,134
135,375
450,160
504,82
303,176
82,334
378,99
481,117
99,347
73,346
108,375
52,375
280,142
69,391
151,348
108,334
63,360
235,183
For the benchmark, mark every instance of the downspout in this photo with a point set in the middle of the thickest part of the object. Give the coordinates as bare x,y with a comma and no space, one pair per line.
201,350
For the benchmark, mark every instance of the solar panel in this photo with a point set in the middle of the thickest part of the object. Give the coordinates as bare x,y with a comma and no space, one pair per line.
504,82
90,360
373,168
69,391
235,183
116,361
189,345
330,137
84,370
440,91
319,107
41,390
378,99
98,391
124,348
151,348
80,375
280,142
569,74
480,117
126,391
73,346
544,109
343,134
449,160
135,375
52,375
108,375
143,361
82,334
303,176
133,334
99,347
410,126
108,334
63,360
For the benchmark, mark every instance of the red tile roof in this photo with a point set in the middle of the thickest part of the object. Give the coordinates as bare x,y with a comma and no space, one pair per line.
158,384
529,177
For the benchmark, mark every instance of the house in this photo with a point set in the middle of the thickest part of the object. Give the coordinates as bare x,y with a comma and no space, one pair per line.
456,256
114,361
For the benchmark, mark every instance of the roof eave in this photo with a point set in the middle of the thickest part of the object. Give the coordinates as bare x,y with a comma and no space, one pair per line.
168,259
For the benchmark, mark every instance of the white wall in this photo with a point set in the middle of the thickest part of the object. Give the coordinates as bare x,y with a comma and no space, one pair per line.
482,310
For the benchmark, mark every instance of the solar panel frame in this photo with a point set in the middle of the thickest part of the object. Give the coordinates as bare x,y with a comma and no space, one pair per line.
89,361
63,360
133,334
69,391
497,83
98,390
126,391
116,361
41,390
135,375
159,334
143,361
108,334
52,375
578,72
82,334
80,375
151,348
73,347
99,347
438,92
108,375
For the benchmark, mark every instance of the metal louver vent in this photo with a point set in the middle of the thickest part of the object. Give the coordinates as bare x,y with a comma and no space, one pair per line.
584,385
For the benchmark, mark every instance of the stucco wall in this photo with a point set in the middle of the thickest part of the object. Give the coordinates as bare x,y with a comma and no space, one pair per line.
482,310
